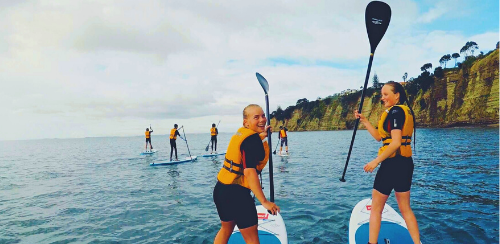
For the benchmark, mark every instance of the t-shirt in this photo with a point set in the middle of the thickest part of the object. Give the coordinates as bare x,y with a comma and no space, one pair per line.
395,119
252,151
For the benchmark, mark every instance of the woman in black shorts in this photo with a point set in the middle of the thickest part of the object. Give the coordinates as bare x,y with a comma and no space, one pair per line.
246,156
395,129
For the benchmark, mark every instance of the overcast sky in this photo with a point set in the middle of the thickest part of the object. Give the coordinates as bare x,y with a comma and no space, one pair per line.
112,68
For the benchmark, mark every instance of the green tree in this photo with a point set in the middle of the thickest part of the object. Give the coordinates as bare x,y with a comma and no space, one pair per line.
425,67
455,56
376,83
405,76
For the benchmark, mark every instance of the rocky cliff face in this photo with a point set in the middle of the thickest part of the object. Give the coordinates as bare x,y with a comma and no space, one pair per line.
463,96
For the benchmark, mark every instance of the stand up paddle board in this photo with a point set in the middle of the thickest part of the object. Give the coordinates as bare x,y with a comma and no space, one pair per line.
271,229
213,155
187,159
392,230
148,152
283,154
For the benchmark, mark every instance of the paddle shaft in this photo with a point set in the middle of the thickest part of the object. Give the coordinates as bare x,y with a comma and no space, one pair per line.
185,139
276,146
271,182
359,111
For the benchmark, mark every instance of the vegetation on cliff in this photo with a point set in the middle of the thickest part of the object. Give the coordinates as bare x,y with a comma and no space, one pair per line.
467,94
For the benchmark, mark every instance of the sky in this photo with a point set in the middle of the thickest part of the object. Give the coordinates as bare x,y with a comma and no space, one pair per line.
73,69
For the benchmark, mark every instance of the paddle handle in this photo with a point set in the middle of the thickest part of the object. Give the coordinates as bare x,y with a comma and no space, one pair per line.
359,111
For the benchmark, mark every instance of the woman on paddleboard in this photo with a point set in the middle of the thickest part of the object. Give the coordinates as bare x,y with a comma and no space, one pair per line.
173,145
395,129
148,139
213,138
246,156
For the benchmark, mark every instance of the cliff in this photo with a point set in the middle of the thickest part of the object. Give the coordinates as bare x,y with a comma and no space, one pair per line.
460,96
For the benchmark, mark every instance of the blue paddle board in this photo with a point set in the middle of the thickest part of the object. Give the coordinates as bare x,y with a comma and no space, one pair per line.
187,159
392,230
271,229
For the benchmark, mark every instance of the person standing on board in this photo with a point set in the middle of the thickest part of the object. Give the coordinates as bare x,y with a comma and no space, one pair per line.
284,138
173,146
246,156
213,133
148,139
395,129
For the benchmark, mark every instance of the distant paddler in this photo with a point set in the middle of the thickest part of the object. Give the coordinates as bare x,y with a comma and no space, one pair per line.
284,138
148,138
395,129
246,156
173,137
213,137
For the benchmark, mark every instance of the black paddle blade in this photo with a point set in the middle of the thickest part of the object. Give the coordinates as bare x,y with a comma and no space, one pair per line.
377,18
263,82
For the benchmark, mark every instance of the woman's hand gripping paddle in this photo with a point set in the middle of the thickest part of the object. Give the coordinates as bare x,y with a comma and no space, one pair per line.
377,18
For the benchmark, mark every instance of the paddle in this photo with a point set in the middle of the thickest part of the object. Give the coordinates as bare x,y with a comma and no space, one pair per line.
206,149
185,139
265,86
377,18
276,146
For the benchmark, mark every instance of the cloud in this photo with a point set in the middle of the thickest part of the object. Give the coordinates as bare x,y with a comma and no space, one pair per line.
108,68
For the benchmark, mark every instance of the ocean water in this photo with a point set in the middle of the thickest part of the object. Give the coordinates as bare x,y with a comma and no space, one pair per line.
101,190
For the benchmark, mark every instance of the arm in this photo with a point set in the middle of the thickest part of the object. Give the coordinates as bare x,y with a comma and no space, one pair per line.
253,181
391,148
178,134
369,127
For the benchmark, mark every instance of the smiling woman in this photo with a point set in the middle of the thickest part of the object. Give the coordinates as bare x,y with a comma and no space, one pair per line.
246,156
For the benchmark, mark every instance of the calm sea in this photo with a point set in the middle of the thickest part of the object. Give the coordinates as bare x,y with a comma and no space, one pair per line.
101,190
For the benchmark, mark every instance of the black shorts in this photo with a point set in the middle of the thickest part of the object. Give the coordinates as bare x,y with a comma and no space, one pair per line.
284,140
394,173
234,203
172,143
213,138
148,140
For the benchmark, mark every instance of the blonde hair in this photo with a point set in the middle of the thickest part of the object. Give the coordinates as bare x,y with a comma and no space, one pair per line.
245,115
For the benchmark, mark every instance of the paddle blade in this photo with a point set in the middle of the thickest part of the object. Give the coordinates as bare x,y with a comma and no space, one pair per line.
377,18
263,82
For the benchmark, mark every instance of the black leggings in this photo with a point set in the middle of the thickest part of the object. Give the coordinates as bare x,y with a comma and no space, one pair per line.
173,146
213,139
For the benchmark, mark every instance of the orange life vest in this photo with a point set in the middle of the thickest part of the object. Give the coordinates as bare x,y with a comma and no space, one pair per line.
406,133
232,169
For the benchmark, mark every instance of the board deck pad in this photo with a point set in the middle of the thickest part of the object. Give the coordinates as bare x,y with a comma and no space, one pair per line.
392,230
187,159
271,229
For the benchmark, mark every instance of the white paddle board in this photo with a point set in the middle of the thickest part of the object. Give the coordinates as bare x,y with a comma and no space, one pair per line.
187,159
392,230
283,154
148,152
271,229
213,155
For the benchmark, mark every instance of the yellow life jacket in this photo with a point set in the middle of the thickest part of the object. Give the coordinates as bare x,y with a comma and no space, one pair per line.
232,169
173,135
283,133
147,134
213,131
406,133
